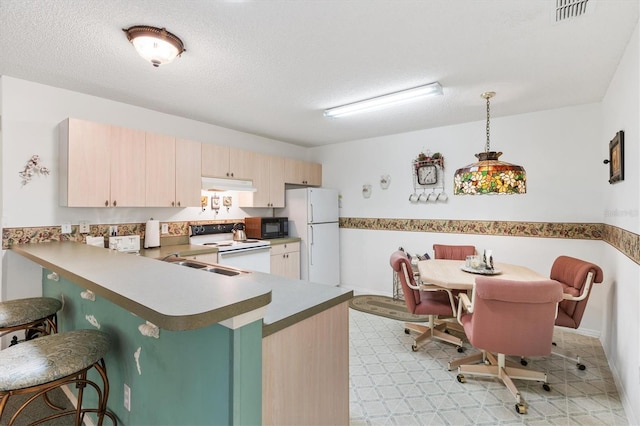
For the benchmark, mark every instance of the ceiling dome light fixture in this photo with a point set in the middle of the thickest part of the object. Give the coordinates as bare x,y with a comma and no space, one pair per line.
156,45
489,175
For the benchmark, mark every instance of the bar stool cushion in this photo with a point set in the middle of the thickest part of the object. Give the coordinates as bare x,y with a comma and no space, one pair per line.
25,311
49,358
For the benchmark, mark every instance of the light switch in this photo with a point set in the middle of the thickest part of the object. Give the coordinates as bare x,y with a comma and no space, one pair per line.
66,228
165,228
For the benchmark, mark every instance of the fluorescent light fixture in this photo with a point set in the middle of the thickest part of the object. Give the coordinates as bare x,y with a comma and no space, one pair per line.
384,101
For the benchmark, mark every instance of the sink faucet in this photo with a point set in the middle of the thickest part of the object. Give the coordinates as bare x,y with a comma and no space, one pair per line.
176,254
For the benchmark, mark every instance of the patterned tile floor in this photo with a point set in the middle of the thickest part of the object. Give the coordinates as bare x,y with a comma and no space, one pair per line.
391,385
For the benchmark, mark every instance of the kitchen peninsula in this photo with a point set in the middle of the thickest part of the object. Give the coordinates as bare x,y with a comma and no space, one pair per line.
202,348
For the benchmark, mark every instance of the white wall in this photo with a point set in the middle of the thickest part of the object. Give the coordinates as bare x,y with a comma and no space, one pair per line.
621,331
552,145
29,123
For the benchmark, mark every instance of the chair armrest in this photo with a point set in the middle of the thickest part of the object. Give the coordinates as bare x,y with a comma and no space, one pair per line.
463,302
585,290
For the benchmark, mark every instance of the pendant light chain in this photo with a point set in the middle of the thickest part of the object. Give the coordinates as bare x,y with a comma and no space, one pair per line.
487,148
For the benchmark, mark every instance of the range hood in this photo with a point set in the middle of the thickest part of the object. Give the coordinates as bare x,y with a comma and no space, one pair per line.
218,184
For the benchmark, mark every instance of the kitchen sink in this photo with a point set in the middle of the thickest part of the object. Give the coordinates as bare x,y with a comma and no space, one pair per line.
223,271
190,264
216,269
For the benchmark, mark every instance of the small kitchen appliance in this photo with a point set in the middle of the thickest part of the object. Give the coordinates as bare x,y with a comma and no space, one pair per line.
249,254
266,227
125,243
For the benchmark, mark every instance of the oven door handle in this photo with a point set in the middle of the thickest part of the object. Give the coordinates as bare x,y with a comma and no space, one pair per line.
242,251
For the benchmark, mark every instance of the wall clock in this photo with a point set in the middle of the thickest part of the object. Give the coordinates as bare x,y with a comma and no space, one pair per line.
427,174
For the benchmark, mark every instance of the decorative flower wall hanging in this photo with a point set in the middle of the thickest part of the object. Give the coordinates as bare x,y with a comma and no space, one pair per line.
33,167
436,158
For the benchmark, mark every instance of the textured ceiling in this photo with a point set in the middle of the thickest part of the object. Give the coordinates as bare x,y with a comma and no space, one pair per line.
271,67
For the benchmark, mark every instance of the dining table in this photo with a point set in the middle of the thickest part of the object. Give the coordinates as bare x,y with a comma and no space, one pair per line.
455,275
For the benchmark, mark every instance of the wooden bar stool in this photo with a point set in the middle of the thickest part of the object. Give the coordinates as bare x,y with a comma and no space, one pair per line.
40,365
35,315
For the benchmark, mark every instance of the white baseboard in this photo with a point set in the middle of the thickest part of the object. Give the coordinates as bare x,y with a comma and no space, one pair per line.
624,398
581,331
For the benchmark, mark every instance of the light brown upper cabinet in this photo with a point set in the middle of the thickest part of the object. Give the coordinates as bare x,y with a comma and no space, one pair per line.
188,173
172,172
160,170
226,162
268,178
302,172
100,165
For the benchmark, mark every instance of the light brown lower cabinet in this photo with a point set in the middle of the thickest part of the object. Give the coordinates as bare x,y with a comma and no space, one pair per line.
285,260
305,371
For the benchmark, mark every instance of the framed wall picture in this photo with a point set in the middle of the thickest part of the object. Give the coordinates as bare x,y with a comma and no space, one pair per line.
616,158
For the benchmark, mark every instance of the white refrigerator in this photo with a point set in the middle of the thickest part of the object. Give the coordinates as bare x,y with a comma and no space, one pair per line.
313,217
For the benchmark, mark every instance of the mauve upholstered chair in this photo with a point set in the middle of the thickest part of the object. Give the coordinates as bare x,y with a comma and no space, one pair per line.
443,251
431,303
577,278
453,252
507,317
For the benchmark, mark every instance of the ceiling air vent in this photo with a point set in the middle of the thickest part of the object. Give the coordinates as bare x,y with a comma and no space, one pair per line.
568,9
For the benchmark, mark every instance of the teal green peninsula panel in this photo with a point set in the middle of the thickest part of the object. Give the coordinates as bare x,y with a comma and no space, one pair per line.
207,376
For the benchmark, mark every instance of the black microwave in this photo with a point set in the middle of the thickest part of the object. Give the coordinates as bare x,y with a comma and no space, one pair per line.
266,227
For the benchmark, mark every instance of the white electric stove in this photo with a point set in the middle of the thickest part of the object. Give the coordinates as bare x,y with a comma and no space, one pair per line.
253,255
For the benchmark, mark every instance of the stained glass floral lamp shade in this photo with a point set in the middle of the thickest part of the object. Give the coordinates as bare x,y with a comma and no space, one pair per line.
490,175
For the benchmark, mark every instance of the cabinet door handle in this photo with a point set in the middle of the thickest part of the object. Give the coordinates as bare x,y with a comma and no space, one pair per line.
173,204
231,174
115,203
178,203
106,203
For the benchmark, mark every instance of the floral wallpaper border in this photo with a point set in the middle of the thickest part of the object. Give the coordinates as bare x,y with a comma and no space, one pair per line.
42,234
625,241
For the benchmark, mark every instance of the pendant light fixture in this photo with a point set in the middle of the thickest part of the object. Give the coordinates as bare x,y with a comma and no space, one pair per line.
156,45
489,175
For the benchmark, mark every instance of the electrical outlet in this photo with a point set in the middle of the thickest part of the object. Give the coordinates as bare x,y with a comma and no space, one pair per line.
84,227
113,230
66,228
127,397
165,228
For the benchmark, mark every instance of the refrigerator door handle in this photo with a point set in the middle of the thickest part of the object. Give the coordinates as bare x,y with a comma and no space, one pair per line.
311,245
311,212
